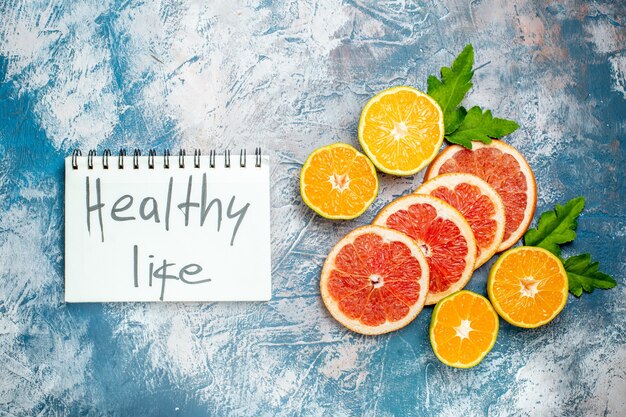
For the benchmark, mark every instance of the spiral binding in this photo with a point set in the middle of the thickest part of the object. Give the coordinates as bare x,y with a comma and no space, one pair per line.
197,153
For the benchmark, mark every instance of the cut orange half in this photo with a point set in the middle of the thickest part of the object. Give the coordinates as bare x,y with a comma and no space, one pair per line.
401,130
374,280
528,286
506,170
463,329
442,233
478,202
338,182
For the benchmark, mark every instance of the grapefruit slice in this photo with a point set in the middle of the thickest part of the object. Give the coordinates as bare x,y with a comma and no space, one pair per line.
478,202
463,329
506,170
338,182
442,233
401,130
528,286
374,280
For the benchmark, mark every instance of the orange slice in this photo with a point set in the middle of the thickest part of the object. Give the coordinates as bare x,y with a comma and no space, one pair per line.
463,329
478,202
528,286
442,233
374,280
506,170
401,130
338,182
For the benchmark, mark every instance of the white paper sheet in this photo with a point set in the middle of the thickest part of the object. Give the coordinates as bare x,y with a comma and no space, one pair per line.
130,234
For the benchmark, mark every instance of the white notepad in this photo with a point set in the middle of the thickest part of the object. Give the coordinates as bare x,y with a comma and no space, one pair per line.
157,228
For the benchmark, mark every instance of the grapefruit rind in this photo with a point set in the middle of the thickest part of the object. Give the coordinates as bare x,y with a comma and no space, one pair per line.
433,323
316,209
498,307
446,211
531,198
388,235
454,179
373,157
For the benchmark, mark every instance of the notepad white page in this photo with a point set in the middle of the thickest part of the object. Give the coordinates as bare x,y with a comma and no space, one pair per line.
167,234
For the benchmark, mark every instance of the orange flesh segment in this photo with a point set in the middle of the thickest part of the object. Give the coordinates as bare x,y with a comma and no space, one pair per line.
402,128
529,286
468,315
394,268
339,181
502,171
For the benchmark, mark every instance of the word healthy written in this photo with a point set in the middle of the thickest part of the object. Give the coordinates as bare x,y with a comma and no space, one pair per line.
149,209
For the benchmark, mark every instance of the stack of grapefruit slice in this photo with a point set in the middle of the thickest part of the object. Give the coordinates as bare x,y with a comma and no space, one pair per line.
473,204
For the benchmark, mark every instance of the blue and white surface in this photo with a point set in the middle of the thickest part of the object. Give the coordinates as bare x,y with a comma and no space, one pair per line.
292,76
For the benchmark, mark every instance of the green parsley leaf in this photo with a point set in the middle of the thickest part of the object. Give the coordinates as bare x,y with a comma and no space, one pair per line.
462,126
556,226
454,84
481,126
583,274
453,120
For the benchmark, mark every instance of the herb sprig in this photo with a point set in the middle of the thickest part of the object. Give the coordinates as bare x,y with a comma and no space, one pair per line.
463,126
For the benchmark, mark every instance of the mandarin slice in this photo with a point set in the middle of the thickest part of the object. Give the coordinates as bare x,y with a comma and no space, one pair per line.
338,182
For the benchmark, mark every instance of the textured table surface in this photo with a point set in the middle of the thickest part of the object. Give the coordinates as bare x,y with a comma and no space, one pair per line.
292,76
